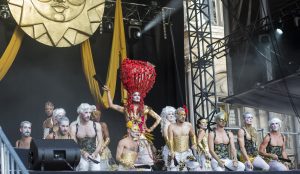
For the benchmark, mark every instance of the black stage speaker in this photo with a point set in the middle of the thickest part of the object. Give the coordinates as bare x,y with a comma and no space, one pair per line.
23,155
53,154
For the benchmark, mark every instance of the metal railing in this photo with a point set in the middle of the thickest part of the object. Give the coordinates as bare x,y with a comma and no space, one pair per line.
10,161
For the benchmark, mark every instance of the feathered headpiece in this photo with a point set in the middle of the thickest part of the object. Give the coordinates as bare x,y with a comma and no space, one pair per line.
137,76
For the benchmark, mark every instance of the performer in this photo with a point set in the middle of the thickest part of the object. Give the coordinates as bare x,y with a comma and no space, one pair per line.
57,114
179,135
25,129
88,135
48,123
127,148
204,156
218,142
168,117
63,131
138,78
105,154
247,138
273,147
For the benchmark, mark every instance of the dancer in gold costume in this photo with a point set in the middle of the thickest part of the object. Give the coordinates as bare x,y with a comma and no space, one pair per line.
203,156
179,135
127,149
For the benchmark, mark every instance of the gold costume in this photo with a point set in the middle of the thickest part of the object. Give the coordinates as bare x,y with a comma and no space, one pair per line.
203,145
128,159
181,143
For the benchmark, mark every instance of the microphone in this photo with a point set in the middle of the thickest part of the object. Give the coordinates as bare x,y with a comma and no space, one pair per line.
284,160
93,160
97,78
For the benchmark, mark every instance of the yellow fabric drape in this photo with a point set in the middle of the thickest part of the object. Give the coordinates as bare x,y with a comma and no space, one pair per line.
118,50
10,52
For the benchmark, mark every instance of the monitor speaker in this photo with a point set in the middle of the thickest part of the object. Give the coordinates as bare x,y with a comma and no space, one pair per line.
53,154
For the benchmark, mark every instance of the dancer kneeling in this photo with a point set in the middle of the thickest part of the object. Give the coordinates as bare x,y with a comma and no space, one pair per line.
179,134
203,156
273,147
247,137
218,142
127,149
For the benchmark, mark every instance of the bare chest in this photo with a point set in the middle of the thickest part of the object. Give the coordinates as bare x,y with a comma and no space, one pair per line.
86,131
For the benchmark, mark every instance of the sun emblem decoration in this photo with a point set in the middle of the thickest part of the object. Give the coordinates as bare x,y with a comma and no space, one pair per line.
58,23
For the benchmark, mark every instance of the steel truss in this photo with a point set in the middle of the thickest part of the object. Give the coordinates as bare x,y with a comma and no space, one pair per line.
201,59
137,12
220,48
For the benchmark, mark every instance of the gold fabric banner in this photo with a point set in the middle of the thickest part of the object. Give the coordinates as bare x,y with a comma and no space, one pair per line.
118,54
11,52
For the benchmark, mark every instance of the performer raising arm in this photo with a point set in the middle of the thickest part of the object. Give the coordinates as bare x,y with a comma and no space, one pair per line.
138,78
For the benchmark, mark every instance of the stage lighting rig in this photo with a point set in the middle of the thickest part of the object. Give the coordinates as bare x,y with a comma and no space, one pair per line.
135,29
144,14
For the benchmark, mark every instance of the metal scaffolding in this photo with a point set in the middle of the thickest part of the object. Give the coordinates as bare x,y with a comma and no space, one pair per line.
201,59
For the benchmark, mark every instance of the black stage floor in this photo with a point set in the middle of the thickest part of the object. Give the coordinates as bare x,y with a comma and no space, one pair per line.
160,172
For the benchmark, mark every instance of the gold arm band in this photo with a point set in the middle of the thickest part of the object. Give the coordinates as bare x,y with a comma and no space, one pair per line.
200,147
106,142
156,117
171,146
193,139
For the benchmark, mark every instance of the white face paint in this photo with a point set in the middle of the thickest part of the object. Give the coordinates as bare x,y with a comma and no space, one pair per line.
136,97
26,130
275,126
135,134
64,127
171,117
203,124
181,115
248,119
85,115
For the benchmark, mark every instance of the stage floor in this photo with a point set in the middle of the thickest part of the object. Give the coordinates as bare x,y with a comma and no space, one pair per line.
158,172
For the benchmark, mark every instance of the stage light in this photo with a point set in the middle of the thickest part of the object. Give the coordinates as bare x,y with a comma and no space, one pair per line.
106,26
134,29
135,32
279,27
279,31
